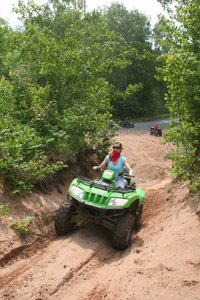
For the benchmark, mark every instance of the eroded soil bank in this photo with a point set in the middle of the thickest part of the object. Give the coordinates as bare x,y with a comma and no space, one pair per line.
163,259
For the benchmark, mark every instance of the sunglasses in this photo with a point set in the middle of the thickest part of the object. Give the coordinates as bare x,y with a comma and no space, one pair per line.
116,147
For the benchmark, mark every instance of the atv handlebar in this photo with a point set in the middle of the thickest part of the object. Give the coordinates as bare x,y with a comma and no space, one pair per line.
125,175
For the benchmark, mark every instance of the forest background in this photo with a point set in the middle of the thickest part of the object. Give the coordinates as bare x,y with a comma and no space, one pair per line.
65,73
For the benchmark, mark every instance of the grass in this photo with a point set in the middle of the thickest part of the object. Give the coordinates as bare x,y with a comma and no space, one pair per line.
151,118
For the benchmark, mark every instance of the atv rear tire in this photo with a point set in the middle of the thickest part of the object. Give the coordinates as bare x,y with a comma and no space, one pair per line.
123,231
137,223
62,220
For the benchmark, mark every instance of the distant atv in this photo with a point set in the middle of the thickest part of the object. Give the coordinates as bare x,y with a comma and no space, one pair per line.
155,131
100,201
128,124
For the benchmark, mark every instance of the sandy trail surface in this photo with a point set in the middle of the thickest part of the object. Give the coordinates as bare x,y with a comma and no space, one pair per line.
163,260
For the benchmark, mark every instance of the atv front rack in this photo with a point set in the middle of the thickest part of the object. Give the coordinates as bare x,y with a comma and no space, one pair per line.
108,188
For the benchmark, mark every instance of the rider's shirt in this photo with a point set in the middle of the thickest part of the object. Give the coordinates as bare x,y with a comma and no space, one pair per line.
119,167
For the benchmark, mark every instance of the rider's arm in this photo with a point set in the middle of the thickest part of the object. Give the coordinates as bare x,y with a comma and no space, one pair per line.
102,165
129,168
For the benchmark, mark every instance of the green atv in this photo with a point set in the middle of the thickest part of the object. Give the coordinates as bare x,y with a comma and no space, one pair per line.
100,201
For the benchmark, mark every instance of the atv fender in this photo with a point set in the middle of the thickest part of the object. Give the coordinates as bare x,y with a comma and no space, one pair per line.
134,207
141,194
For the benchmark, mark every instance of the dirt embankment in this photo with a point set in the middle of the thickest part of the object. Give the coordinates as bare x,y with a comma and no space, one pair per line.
163,259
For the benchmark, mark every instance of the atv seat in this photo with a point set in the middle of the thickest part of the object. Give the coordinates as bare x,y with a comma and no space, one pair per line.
107,182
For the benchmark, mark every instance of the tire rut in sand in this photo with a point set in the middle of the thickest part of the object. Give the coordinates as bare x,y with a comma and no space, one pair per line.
62,264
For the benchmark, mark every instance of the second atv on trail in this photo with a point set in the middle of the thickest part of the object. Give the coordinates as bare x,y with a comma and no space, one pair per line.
100,201
155,131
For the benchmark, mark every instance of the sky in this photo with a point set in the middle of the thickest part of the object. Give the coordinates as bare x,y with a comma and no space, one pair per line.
149,7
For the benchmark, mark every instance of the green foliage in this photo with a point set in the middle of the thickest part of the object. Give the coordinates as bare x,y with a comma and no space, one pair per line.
21,227
4,209
183,154
37,201
138,92
22,159
54,93
194,187
46,218
181,47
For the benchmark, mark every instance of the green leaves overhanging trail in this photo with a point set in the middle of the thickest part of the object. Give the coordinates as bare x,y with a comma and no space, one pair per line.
43,113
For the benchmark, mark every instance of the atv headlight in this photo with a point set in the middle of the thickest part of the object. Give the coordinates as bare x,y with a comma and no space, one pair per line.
117,201
77,191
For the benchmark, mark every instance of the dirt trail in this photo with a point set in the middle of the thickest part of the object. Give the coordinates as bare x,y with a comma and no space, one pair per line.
163,259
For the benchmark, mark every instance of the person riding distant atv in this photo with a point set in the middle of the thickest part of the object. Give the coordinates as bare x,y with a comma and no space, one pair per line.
156,131
128,124
116,162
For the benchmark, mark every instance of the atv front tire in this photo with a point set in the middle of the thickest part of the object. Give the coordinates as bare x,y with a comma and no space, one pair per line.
123,231
137,223
62,220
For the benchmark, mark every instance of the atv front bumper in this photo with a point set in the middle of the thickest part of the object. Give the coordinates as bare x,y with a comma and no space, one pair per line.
96,212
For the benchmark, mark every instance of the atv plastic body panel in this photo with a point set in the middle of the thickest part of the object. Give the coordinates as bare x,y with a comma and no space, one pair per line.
95,197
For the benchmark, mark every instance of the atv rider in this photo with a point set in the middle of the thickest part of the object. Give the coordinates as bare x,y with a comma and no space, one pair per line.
116,162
